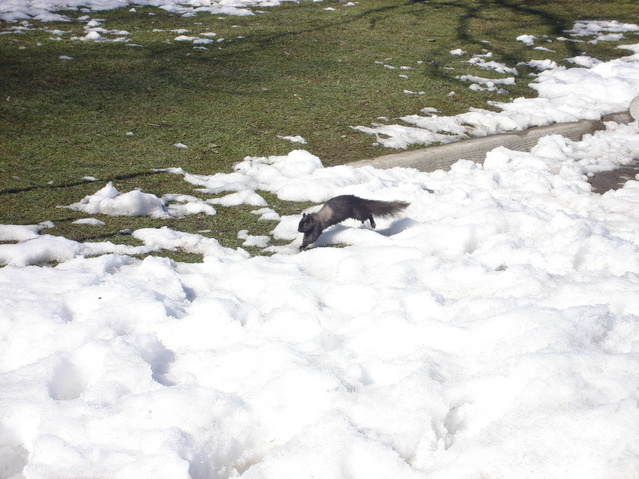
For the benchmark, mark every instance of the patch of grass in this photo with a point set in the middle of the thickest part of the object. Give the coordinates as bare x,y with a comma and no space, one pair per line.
115,110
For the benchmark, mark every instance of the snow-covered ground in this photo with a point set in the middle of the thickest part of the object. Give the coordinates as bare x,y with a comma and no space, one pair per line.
493,331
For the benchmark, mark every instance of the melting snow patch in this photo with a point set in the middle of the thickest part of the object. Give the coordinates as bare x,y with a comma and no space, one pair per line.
250,240
601,28
294,139
542,64
527,39
89,221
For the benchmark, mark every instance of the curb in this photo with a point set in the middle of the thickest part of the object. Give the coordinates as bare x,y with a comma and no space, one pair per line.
443,156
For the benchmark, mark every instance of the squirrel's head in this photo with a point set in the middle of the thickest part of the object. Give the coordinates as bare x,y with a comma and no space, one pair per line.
306,223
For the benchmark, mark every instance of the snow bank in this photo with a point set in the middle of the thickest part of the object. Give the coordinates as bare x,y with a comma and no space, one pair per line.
474,337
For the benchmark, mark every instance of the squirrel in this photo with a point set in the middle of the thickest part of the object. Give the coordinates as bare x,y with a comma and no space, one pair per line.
342,207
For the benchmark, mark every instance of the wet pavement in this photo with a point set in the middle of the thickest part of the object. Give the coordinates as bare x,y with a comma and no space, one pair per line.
615,179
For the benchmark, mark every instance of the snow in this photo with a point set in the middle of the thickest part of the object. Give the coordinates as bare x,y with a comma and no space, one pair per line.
542,64
603,30
109,201
560,100
492,65
562,96
294,139
492,331
44,10
490,83
527,39
260,241
89,221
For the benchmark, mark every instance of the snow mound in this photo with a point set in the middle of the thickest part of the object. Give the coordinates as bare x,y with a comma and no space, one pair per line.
109,201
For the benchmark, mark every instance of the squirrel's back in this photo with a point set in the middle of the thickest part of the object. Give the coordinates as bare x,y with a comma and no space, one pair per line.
342,207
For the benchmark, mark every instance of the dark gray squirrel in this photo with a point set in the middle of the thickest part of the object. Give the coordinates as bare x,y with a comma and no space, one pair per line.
342,207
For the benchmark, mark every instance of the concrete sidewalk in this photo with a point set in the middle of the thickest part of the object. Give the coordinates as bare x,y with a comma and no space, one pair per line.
475,149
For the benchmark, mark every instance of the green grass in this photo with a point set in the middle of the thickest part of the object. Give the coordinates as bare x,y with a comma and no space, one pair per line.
298,70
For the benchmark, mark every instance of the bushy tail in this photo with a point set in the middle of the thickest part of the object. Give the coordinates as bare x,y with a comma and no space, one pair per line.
385,208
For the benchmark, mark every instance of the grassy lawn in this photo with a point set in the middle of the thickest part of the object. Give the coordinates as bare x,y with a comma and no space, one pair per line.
116,109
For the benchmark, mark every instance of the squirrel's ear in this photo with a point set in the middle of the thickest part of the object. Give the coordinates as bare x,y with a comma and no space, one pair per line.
303,215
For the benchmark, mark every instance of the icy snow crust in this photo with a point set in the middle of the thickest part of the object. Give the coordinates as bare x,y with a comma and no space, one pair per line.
491,332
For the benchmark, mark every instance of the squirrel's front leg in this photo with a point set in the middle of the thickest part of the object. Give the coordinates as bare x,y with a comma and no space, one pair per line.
311,236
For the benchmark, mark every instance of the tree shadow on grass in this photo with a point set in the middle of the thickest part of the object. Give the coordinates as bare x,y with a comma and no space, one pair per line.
26,189
554,23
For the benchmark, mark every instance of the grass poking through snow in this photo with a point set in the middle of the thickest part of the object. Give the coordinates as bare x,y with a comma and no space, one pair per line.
113,110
